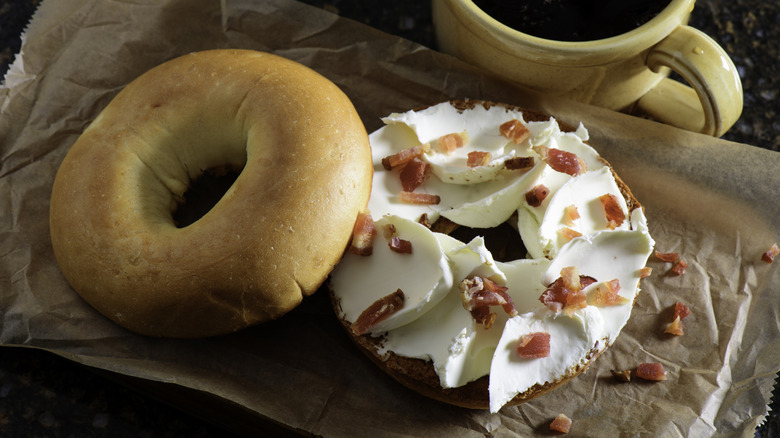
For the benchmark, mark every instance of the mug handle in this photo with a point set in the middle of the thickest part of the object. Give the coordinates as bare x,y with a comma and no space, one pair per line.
713,101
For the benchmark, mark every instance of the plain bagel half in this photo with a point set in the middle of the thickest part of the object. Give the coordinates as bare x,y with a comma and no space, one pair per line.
271,239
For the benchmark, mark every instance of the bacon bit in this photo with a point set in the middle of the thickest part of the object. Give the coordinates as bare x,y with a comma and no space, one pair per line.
377,312
571,278
561,423
568,233
448,143
570,214
606,294
424,221
681,310
388,231
478,158
403,157
400,246
542,151
536,195
672,257
651,371
558,297
769,256
679,268
614,214
418,198
514,130
479,293
564,162
516,163
645,272
623,376
534,345
414,174
669,257
675,327
363,234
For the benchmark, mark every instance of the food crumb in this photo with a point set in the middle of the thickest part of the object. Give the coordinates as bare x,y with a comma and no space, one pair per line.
769,256
561,423
623,376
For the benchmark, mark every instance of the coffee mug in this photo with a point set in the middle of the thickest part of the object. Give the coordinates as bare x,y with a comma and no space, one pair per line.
627,72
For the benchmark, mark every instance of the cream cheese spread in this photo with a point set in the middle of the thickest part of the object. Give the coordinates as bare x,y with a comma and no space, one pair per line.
433,323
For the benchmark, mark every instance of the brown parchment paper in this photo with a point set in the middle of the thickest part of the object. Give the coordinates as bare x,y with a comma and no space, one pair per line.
713,201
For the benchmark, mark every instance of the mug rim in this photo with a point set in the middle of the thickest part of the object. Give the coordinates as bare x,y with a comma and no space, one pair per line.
576,52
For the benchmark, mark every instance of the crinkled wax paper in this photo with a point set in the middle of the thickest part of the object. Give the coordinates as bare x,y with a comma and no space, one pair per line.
712,201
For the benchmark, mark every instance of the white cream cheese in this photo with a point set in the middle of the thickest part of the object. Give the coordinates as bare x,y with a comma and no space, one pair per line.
433,323
424,276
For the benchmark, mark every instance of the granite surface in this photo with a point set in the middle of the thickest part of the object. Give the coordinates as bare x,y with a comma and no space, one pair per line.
42,395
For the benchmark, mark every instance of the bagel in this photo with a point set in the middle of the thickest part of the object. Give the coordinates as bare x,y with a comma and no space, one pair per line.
272,238
475,232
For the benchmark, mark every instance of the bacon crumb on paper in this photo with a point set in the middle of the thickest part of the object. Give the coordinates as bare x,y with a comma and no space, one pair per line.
652,371
769,256
680,312
561,423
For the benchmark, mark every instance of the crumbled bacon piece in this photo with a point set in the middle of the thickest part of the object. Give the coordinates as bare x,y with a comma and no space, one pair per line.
769,256
563,161
680,312
448,143
363,234
479,293
514,130
651,371
623,376
606,294
571,278
645,272
570,214
561,423
536,195
568,233
414,174
679,268
418,198
558,297
675,327
516,163
534,345
377,312
404,156
400,246
478,158
670,257
424,221
388,231
615,215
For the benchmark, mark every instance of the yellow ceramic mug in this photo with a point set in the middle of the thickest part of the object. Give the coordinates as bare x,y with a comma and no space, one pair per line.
628,72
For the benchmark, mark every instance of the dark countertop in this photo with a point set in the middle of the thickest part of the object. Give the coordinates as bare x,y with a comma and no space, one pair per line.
47,396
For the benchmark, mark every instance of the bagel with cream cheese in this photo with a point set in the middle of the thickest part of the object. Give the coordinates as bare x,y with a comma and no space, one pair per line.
269,241
480,324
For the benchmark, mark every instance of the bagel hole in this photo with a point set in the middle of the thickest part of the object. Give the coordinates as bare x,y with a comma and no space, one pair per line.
203,194
503,241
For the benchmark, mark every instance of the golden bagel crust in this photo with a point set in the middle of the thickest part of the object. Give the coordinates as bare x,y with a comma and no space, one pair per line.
419,375
273,237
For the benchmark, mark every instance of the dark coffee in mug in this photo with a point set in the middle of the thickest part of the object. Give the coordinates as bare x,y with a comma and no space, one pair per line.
573,20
